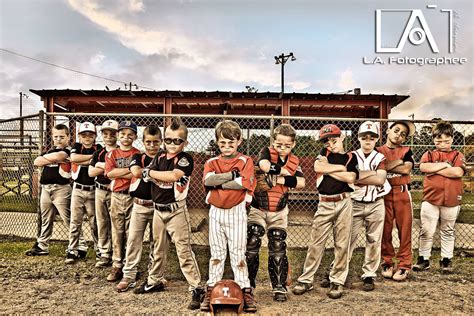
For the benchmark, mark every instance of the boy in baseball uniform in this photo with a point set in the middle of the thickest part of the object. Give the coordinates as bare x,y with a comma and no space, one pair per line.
335,170
269,209
102,193
55,188
142,211
229,180
170,174
83,192
442,194
117,164
398,207
368,207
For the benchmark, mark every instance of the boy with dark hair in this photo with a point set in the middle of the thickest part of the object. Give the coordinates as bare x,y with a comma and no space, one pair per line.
335,170
142,211
55,188
229,180
170,174
269,209
442,194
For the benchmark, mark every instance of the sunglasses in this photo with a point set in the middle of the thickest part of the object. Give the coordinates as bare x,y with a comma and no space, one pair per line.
176,141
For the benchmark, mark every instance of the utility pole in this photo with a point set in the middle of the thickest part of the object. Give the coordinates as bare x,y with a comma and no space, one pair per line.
22,132
130,86
282,59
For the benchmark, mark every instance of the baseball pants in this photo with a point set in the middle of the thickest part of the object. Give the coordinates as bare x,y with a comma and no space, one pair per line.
53,197
141,217
228,227
398,208
120,212
370,216
335,217
82,202
102,214
429,220
173,226
269,220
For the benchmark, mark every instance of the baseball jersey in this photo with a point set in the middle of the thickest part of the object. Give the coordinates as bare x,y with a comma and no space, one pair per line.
119,158
372,161
99,156
80,174
229,198
139,188
440,190
391,154
326,184
57,173
170,192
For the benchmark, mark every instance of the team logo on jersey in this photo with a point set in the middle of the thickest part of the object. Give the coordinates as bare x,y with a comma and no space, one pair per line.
183,162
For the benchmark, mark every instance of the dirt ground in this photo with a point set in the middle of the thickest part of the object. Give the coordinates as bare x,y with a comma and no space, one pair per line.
47,285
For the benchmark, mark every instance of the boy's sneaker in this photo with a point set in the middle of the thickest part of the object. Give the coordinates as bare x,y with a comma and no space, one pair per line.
196,299
125,284
206,302
421,264
325,282
36,251
249,301
147,288
301,288
71,258
401,275
115,274
368,284
446,265
82,254
335,291
387,272
280,294
103,262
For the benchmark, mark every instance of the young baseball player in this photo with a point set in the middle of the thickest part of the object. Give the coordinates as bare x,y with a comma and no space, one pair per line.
368,207
83,192
142,211
229,179
55,188
103,193
398,207
170,174
442,194
335,170
269,209
117,164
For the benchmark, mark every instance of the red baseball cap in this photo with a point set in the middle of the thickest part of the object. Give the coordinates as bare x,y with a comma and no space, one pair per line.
329,130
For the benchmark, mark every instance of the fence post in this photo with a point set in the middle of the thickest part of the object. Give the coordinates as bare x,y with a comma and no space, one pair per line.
272,126
35,172
22,131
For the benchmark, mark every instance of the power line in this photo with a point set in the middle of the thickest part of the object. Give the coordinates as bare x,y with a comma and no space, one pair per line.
69,69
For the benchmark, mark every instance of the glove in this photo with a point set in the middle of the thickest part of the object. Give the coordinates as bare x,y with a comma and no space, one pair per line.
235,174
146,174
264,180
183,180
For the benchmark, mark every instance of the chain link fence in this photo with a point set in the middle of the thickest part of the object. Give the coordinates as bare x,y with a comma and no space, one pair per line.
21,140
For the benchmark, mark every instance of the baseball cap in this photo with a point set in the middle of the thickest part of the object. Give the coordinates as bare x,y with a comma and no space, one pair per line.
369,127
110,124
227,292
409,124
129,125
329,130
87,127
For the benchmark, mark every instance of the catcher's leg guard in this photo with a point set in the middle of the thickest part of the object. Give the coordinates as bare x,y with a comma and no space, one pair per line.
277,259
254,241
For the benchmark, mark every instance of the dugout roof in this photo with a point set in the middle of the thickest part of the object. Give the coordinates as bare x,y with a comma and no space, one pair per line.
220,102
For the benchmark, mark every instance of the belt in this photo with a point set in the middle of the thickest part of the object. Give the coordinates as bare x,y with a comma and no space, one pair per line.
84,187
333,198
143,202
171,207
122,192
101,186
368,202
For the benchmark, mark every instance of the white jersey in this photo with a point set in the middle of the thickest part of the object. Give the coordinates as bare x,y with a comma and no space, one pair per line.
369,193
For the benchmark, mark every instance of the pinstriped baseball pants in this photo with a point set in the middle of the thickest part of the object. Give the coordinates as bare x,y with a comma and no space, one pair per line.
228,227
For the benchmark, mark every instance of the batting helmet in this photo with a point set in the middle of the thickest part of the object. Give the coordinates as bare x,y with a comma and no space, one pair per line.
227,295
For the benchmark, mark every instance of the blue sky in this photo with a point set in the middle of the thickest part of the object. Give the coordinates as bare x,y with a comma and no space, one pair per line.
227,45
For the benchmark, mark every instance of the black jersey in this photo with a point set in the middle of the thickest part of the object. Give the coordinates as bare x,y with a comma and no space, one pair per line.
80,173
327,185
139,188
57,173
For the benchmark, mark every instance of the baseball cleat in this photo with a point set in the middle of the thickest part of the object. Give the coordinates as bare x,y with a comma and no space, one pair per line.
368,284
421,264
36,251
335,291
387,272
446,265
301,288
401,275
147,288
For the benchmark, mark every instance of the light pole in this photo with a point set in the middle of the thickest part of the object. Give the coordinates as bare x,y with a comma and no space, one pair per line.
22,95
282,59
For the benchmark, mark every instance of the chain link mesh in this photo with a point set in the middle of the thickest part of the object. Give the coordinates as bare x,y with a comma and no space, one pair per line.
21,140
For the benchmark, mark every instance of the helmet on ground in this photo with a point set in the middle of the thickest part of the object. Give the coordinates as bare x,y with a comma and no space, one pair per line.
227,296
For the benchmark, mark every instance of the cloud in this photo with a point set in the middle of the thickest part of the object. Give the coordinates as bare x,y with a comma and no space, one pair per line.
346,80
136,6
299,85
97,58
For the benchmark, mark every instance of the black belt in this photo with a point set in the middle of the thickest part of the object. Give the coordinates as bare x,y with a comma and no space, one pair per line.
368,202
122,192
171,207
84,187
101,186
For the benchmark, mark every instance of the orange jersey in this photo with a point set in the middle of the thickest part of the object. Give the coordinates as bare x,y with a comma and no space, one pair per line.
119,158
229,198
440,190
390,154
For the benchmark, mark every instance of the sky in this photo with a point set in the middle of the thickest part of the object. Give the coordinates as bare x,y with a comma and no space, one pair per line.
210,45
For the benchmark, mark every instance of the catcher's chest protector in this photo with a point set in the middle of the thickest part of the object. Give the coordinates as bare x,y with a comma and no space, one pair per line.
276,198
